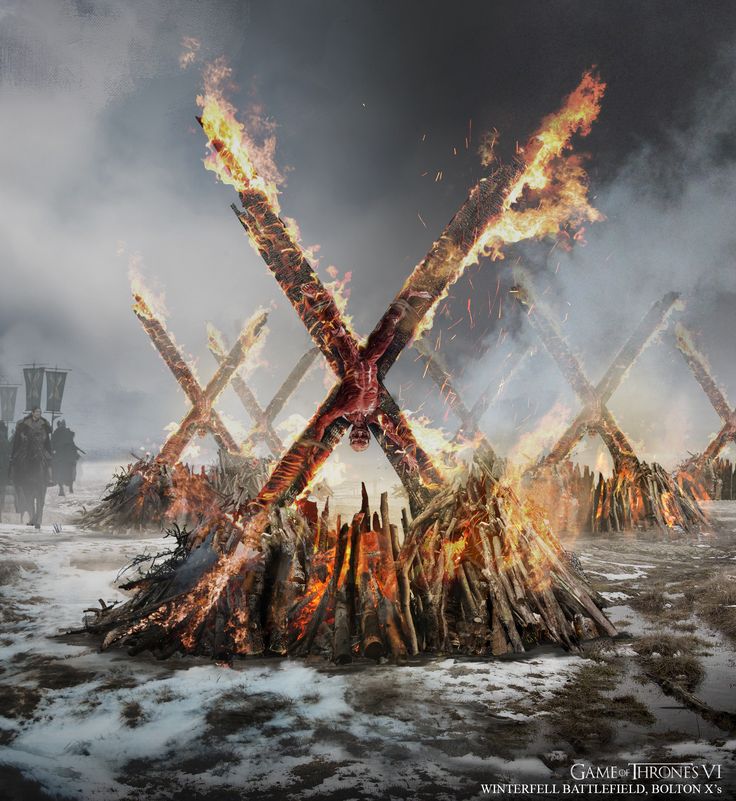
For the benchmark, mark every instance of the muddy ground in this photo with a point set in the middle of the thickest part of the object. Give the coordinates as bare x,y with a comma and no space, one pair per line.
75,723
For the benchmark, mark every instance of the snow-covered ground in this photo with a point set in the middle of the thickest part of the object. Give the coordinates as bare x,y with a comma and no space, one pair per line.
76,723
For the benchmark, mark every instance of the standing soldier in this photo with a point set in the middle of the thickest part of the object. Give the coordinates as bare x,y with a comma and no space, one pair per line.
4,464
65,459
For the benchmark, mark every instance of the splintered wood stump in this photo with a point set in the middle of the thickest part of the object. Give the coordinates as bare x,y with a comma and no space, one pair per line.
476,572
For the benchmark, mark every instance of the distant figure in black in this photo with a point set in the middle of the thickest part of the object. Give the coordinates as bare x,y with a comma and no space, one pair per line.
66,455
30,466
4,464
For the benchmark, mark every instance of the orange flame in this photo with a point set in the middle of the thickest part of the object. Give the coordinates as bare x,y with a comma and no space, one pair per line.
565,181
339,288
147,303
319,579
558,183
444,450
454,549
235,157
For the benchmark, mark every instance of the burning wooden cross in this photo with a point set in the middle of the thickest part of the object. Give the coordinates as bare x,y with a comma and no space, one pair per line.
359,398
595,416
202,417
698,364
401,322
469,418
487,220
263,419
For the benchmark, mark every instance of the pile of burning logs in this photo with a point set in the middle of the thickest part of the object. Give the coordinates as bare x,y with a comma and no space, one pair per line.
646,497
637,497
476,572
708,479
152,494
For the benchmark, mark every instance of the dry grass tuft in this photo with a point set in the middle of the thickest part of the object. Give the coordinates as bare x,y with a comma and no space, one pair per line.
716,602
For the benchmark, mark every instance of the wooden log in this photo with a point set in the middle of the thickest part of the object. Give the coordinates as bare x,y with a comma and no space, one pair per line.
355,545
405,523
395,626
430,622
285,587
499,598
395,545
342,645
372,644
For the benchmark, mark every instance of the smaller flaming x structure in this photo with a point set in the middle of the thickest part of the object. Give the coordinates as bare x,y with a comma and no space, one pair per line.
263,419
202,417
595,416
698,364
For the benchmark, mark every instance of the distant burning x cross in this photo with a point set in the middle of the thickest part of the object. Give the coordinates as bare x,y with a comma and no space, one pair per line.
202,417
595,416
262,418
698,364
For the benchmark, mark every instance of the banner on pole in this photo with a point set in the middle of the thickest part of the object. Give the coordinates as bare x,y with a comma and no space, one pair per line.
34,386
8,396
55,382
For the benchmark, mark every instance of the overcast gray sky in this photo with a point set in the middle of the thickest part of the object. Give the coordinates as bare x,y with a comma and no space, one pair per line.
101,160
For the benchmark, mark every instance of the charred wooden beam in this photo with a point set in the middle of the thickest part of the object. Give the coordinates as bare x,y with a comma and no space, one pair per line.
700,368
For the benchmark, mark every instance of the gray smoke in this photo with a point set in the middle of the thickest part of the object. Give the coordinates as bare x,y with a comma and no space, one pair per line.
102,160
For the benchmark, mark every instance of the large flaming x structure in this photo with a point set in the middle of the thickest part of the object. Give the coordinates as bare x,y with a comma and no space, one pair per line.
486,220
595,416
698,364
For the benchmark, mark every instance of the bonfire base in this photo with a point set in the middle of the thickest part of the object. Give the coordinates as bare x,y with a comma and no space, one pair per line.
475,573
708,479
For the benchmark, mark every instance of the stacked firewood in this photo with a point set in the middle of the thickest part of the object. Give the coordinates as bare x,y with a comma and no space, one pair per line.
475,573
152,494
645,498
239,477
708,479
637,497
565,492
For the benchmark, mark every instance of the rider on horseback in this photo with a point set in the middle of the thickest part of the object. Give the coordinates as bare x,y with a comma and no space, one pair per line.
30,465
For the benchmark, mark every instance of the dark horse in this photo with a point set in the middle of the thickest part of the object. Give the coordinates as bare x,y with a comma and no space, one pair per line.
30,467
